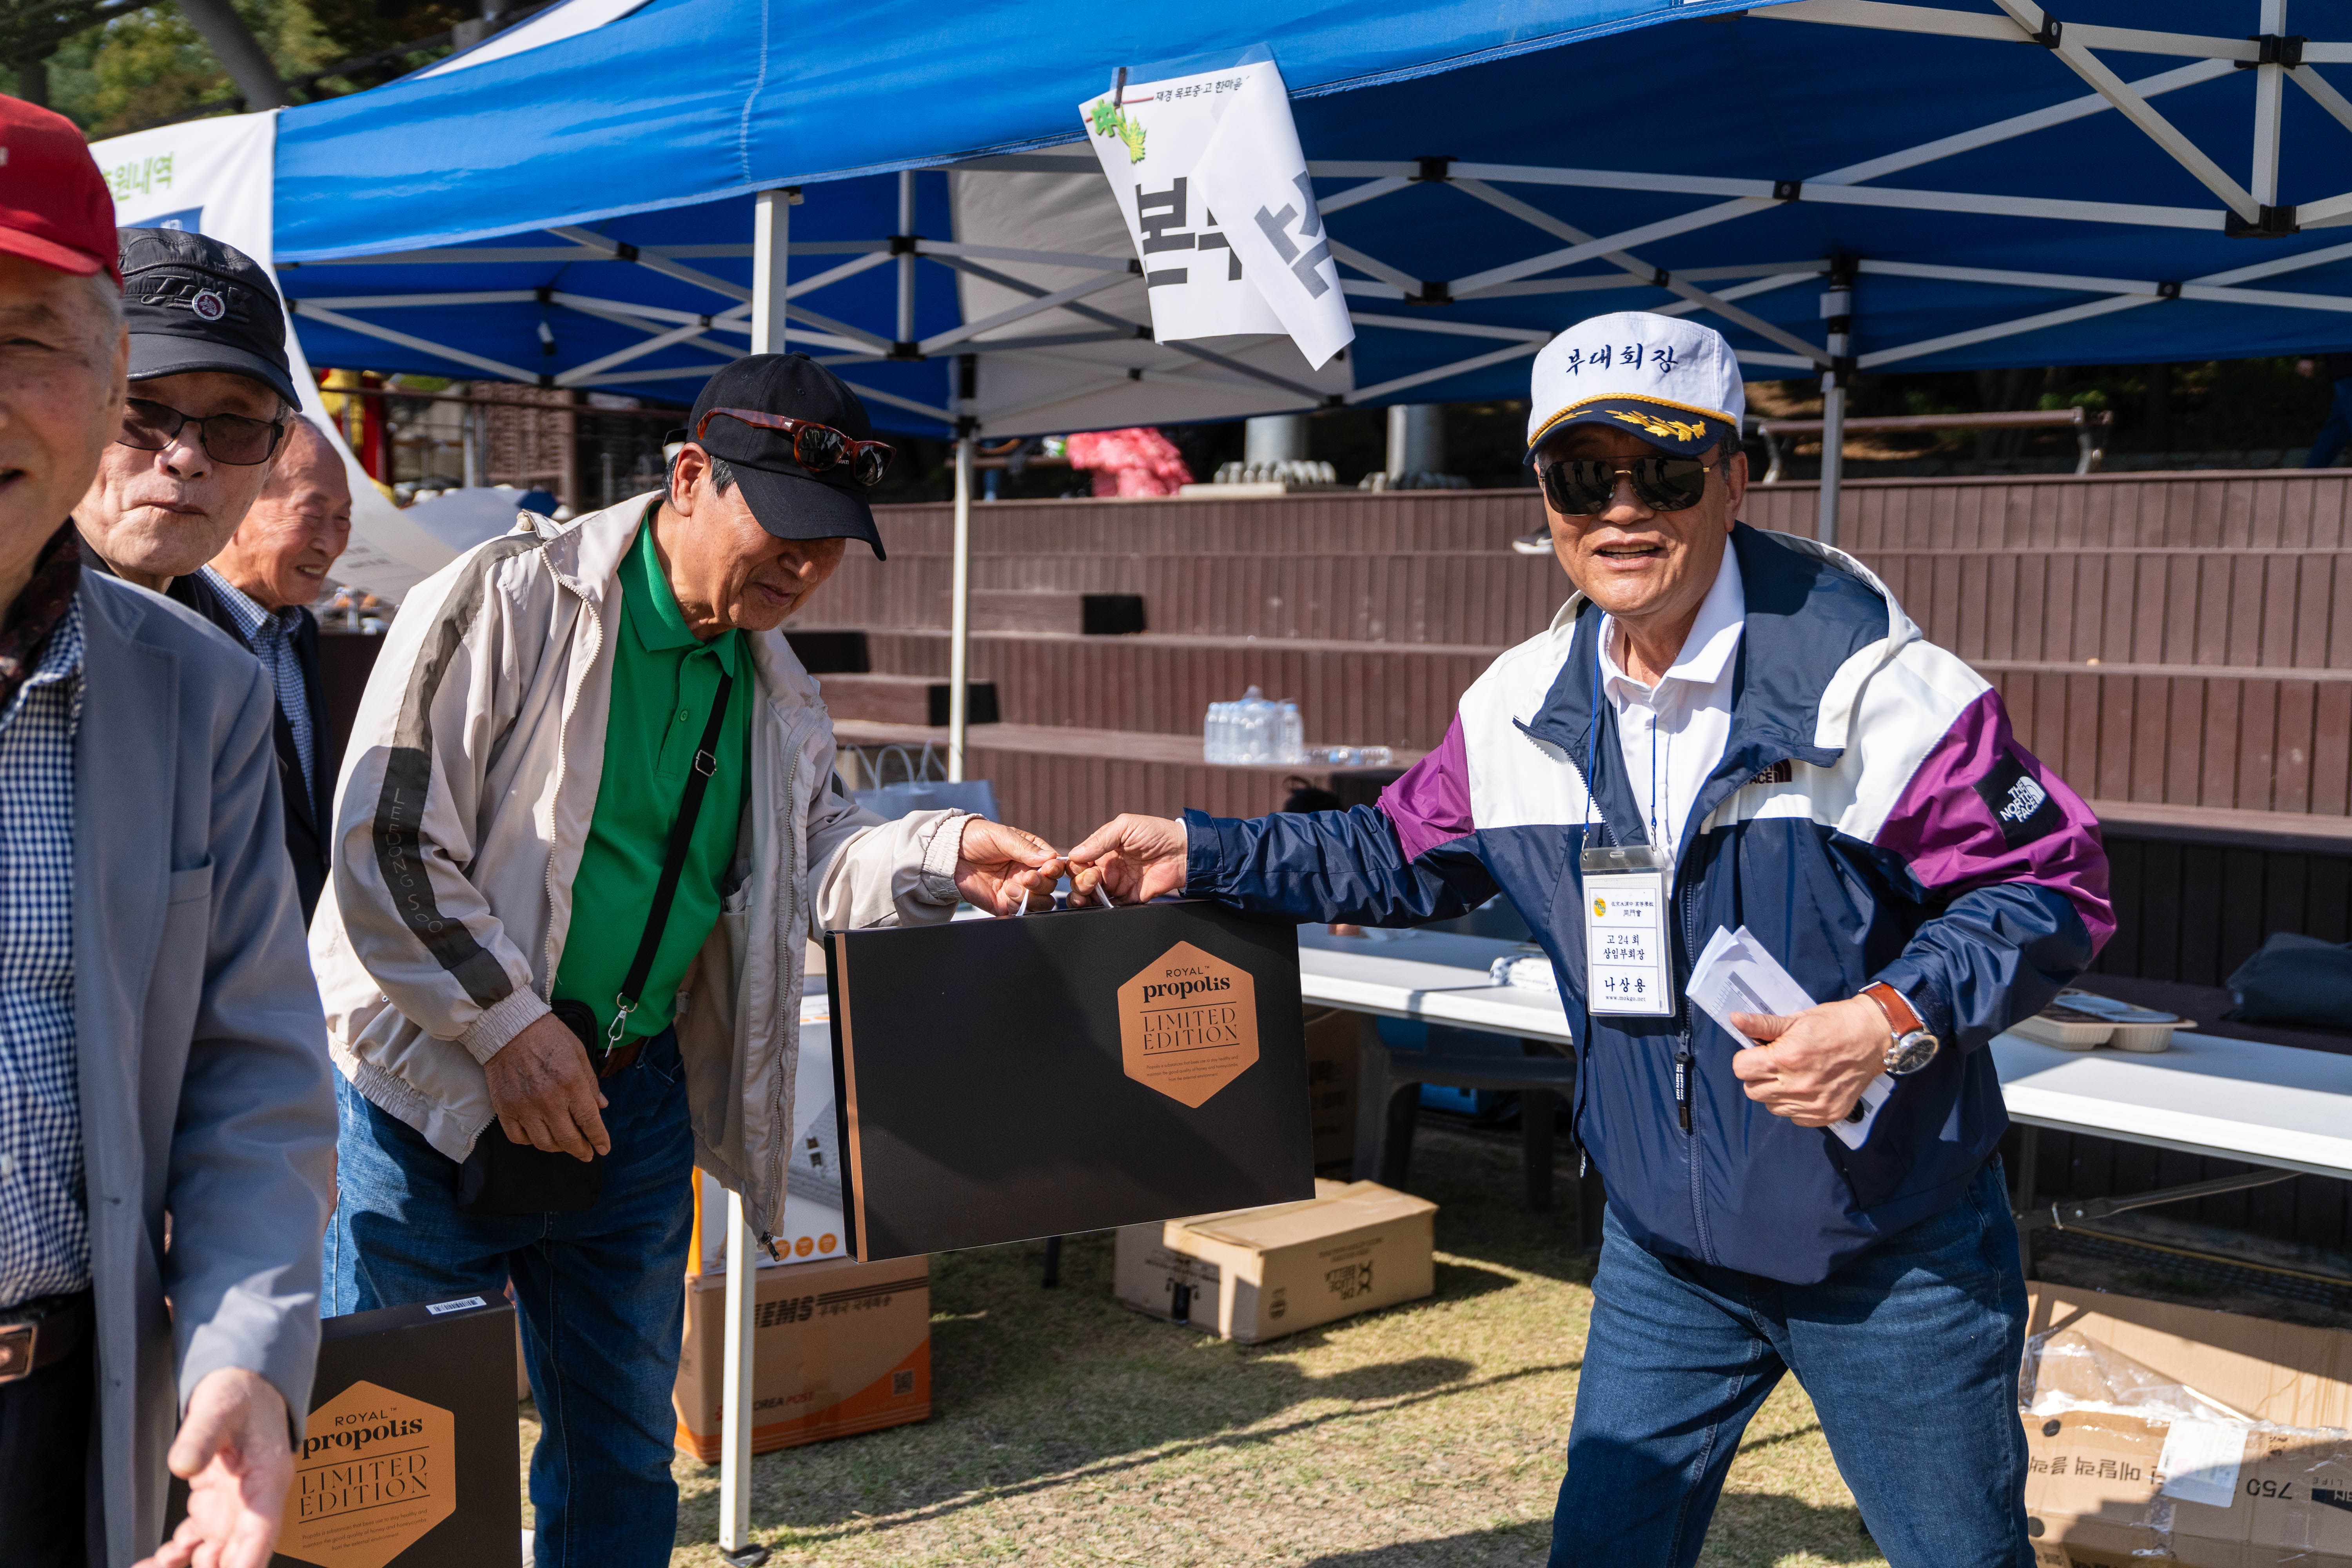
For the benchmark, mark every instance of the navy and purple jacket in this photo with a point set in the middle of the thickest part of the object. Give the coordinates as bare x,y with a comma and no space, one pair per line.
1871,818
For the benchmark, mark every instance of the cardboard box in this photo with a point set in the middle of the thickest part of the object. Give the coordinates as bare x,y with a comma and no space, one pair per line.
999,1080
1333,1043
1258,1273
838,1348
409,1456
2161,1434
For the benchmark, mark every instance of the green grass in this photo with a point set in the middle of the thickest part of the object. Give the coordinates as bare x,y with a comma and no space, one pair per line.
1071,1430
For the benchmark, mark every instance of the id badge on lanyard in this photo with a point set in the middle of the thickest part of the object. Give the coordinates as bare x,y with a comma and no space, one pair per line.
1627,964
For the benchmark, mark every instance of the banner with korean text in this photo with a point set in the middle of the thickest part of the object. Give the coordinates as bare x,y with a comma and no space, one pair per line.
219,177
1213,185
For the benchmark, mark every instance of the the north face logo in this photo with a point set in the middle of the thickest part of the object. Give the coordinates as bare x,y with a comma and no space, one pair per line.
208,305
2025,798
2020,802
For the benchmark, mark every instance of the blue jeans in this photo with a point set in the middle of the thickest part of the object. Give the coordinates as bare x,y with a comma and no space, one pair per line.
1910,1353
2337,431
601,1295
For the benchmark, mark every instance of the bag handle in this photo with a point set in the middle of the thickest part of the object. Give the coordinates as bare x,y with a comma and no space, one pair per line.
682,836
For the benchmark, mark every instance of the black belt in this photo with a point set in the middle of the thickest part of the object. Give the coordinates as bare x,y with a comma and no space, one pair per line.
43,1331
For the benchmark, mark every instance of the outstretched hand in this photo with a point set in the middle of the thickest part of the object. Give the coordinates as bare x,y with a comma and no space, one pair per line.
234,1453
1812,1066
999,867
1135,859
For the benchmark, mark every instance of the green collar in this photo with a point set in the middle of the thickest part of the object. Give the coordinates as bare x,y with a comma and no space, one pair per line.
652,608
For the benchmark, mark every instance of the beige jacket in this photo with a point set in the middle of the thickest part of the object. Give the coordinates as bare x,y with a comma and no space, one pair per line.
461,815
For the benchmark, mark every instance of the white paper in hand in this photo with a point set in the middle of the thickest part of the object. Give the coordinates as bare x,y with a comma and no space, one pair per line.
1735,974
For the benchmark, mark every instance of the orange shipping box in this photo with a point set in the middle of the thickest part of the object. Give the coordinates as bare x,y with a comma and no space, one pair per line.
2161,1434
838,1348
1258,1273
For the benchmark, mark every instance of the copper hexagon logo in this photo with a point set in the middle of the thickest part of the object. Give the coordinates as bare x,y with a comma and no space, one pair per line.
1188,1024
377,1470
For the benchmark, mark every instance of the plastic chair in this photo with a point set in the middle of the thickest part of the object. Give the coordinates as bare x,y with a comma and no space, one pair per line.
1388,1108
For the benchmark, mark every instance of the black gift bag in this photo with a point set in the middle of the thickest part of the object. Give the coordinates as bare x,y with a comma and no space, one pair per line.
1003,1079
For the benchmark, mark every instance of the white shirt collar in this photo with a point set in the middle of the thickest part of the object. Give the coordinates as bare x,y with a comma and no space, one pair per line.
1707,649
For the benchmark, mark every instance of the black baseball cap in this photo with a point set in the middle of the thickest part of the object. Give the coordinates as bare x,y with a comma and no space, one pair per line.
789,501
193,303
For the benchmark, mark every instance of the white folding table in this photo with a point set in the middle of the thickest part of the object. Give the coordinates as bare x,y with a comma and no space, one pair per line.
2287,1110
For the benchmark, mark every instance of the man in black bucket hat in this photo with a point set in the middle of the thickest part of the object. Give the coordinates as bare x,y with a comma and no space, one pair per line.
576,873
211,397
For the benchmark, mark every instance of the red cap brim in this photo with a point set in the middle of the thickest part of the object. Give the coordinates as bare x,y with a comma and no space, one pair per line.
49,253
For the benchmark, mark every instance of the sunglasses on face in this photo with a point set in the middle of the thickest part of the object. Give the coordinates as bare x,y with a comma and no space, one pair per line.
226,437
1587,487
815,448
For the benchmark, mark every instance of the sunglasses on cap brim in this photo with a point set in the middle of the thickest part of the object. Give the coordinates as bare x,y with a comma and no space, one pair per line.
815,448
1586,486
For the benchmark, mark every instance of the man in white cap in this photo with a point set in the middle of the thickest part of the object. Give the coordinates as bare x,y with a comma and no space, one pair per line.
1733,733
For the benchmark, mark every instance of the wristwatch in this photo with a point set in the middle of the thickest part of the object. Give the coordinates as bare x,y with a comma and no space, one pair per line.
1912,1046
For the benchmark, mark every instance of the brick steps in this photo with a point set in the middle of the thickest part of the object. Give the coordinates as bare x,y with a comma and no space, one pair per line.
902,698
1053,612
1360,694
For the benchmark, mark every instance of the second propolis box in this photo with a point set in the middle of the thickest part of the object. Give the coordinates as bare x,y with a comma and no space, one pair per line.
1002,1080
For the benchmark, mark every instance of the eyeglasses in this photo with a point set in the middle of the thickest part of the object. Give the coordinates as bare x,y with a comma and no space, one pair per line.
815,448
226,437
1585,487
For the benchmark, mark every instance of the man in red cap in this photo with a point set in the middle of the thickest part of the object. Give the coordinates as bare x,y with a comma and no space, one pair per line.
162,1048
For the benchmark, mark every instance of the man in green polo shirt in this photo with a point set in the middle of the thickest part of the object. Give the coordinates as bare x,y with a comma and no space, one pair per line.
568,728
664,681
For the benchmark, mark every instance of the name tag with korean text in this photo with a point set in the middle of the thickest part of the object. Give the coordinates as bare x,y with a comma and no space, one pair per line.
1628,966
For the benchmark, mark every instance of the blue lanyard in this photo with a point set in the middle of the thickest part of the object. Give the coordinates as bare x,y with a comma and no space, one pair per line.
1592,748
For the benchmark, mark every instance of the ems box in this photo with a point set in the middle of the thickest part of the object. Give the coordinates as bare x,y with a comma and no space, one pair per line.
836,1348
1002,1080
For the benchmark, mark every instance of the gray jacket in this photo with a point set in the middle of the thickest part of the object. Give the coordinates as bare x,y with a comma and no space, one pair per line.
206,1092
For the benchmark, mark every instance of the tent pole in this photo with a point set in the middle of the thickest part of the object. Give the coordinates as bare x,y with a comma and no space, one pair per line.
772,216
907,258
1837,316
770,227
1832,456
960,613
735,1545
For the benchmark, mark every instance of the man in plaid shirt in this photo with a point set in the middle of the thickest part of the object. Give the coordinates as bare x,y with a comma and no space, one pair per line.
163,1054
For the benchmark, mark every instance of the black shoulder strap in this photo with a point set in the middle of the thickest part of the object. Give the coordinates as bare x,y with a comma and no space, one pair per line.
682,836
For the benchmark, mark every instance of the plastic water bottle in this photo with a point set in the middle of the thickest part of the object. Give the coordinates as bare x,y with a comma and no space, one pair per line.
1212,733
1291,748
1257,728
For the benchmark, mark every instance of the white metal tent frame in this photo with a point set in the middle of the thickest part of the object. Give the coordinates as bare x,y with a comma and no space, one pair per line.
2274,58
756,318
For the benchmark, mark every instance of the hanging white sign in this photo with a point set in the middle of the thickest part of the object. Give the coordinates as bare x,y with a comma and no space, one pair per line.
1213,187
219,177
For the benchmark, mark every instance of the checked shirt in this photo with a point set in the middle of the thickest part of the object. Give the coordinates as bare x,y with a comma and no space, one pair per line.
270,635
44,1231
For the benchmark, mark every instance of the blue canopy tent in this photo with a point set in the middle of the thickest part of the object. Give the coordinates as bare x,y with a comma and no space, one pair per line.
624,197
1977,187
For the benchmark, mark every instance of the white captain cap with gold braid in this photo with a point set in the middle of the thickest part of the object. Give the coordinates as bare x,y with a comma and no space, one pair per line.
1673,383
